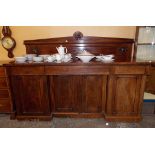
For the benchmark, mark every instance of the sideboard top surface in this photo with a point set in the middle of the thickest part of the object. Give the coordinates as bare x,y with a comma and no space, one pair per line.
79,63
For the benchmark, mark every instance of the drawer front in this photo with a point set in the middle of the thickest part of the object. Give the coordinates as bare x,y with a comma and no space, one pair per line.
129,70
4,94
5,106
28,70
3,82
76,70
2,72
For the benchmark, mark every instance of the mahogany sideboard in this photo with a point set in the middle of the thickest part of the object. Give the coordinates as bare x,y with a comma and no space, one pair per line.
110,90
75,89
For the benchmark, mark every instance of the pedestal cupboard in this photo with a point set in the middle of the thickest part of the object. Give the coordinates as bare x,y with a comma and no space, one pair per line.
31,95
30,92
125,93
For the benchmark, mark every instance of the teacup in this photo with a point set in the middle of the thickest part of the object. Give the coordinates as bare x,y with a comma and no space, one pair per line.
38,59
30,56
107,57
67,56
44,56
51,58
58,57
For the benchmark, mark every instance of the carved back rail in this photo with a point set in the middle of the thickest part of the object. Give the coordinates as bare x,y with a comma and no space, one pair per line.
120,47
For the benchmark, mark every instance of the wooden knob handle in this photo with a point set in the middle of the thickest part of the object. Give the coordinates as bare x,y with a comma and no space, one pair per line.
123,49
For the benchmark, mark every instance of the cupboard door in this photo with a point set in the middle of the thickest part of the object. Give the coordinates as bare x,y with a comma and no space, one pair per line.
81,94
65,93
94,98
124,95
30,95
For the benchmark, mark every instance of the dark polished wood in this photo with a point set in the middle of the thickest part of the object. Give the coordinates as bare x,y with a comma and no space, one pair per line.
27,70
120,47
116,92
94,94
78,70
31,95
2,72
124,95
3,82
5,96
78,94
65,93
130,70
75,89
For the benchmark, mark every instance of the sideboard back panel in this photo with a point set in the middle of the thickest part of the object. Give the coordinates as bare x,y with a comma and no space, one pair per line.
120,47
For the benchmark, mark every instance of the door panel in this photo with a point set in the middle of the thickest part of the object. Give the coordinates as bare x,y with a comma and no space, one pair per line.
30,93
81,94
124,95
65,93
95,93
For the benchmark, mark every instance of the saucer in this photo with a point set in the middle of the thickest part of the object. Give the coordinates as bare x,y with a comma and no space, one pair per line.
66,60
49,60
107,60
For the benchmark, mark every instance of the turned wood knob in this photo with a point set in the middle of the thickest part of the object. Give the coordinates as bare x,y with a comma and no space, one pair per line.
123,49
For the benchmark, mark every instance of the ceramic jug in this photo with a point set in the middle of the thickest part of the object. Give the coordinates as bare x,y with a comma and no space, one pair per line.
61,50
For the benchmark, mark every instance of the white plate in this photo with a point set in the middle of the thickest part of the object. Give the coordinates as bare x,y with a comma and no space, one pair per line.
105,57
67,60
49,60
105,60
20,61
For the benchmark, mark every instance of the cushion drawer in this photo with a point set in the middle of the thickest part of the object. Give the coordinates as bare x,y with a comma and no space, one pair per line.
3,82
4,94
129,70
76,70
5,106
28,70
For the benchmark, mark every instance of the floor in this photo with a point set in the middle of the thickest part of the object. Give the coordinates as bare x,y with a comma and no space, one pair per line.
5,122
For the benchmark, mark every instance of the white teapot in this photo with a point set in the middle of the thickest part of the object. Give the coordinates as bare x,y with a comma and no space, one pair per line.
61,50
